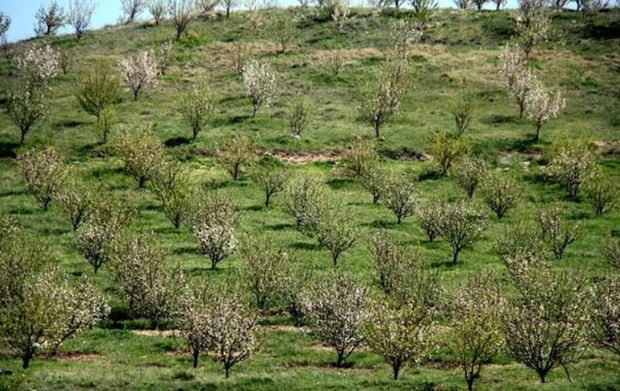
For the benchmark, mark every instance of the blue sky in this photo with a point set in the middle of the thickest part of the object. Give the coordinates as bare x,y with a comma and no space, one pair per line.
22,13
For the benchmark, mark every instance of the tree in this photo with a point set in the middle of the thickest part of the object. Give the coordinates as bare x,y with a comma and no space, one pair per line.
402,335
37,66
521,249
445,149
477,324
295,280
50,19
462,226
37,309
546,324
283,29
5,23
501,192
139,72
270,180
95,237
606,314
216,321
572,164
235,154
259,82
499,4
430,215
207,6
79,16
304,200
423,11
401,195
262,264
150,288
76,201
97,93
213,222
612,253
336,229
65,60
164,55
339,13
533,26
26,108
516,76
393,260
403,34
197,106
141,151
228,5
157,8
173,187
380,102
602,194
334,309
479,4
469,173
462,4
132,8
462,111
541,106
358,158
373,180
299,113
182,13
555,230
44,173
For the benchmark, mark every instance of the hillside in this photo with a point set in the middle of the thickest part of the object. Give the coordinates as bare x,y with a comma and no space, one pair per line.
458,56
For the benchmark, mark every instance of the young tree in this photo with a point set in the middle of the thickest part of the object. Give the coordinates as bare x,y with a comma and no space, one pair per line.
259,82
76,201
299,113
358,158
532,26
304,201
235,154
430,215
462,4
5,23
381,101
469,173
49,20
141,151
334,309
207,7
612,253
182,13
477,324
164,55
262,264
521,249
606,314
37,310
270,179
393,262
572,164
197,106
558,232
213,221
132,8
401,195
139,72
499,4
479,4
26,107
423,11
173,187
462,111
403,34
37,66
401,335
283,29
541,106
65,60
79,16
339,13
501,192
95,237
336,229
295,280
462,225
445,149
373,180
229,5
157,8
97,93
602,194
192,315
44,173
516,76
150,288
546,325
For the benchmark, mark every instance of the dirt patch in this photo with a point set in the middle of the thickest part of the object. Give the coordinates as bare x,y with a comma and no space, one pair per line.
324,56
607,147
304,157
155,333
74,356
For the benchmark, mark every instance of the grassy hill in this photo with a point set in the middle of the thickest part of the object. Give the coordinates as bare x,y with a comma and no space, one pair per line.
458,56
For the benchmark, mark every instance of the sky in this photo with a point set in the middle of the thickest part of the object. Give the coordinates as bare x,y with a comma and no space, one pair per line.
22,13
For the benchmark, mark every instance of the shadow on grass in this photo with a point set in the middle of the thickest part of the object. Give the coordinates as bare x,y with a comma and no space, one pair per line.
176,141
430,175
500,119
186,250
280,227
381,224
306,246
340,183
7,150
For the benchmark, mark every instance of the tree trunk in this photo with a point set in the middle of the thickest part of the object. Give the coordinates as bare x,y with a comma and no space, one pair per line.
226,371
455,257
396,369
195,354
470,382
23,137
377,131
537,135
227,11
340,359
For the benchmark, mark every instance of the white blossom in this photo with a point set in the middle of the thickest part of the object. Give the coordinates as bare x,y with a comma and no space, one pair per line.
139,72
542,105
259,81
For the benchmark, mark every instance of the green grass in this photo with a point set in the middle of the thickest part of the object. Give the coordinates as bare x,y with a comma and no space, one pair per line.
458,55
